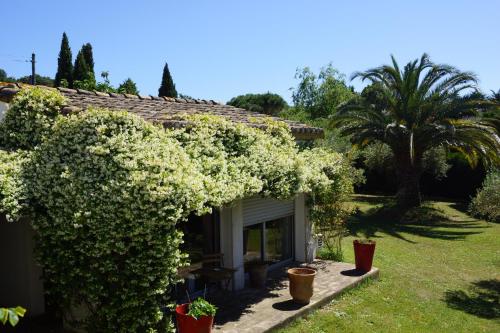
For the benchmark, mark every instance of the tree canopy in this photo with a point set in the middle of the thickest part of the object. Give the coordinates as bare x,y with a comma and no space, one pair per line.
89,56
81,71
167,87
128,87
421,110
268,103
319,96
64,64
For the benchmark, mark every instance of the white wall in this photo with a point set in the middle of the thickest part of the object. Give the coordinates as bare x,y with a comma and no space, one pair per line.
231,238
233,220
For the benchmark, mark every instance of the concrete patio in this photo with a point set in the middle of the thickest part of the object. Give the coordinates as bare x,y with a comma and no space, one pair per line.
261,310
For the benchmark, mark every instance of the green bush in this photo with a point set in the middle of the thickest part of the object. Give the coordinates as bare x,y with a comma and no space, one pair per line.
12,190
30,117
108,189
486,202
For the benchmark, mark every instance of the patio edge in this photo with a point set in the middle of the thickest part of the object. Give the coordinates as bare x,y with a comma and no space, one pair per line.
371,275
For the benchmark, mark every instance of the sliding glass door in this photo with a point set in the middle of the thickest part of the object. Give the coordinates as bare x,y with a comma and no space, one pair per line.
270,241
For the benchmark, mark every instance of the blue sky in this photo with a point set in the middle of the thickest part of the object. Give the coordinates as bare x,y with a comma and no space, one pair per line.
220,49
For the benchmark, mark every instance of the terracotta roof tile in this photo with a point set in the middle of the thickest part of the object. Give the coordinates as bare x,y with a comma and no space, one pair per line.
162,109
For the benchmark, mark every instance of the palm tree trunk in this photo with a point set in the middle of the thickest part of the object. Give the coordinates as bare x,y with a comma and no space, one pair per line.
408,172
408,194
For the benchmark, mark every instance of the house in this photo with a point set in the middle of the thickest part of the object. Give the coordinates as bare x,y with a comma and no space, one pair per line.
249,229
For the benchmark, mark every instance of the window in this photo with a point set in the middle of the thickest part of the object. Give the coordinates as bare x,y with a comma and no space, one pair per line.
270,241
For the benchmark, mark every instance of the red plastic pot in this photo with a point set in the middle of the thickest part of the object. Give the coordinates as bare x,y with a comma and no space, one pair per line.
188,324
363,255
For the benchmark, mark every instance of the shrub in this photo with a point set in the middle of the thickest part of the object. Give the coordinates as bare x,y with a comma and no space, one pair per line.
30,117
12,189
328,210
486,202
108,190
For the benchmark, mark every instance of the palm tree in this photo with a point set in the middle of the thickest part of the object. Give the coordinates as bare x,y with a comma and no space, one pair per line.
422,109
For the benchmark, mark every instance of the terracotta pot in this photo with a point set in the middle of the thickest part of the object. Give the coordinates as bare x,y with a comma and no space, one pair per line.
258,274
188,324
301,284
363,255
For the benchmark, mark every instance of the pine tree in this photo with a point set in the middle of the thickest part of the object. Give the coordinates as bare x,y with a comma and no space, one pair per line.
81,70
128,87
89,56
64,63
167,87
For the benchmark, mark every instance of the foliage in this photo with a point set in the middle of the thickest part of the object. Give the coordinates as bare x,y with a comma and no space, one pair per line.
486,202
268,103
105,86
328,211
320,95
167,87
29,117
423,111
64,64
200,307
11,315
12,191
105,191
81,71
128,87
39,80
379,156
88,56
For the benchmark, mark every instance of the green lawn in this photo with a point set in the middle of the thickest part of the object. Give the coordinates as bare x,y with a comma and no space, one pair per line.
440,274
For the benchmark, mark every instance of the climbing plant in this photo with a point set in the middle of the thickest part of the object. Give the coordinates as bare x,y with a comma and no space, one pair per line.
105,190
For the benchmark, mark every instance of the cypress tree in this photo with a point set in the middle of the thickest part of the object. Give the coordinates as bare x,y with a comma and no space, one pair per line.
64,63
167,87
81,70
89,57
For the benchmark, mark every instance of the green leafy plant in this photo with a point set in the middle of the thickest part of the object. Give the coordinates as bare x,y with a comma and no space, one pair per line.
30,117
486,202
200,307
11,315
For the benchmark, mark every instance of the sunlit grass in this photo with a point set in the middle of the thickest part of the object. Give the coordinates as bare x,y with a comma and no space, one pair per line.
440,272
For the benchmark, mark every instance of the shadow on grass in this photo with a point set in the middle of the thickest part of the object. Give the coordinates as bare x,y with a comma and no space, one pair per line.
482,299
425,221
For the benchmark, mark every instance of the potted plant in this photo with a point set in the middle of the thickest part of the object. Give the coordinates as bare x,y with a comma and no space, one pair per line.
258,273
195,317
301,284
363,254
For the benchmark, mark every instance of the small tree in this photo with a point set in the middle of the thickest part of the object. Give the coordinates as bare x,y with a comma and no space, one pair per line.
128,87
64,63
319,96
167,87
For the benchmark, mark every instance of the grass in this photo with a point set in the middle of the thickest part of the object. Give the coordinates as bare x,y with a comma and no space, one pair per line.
439,272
